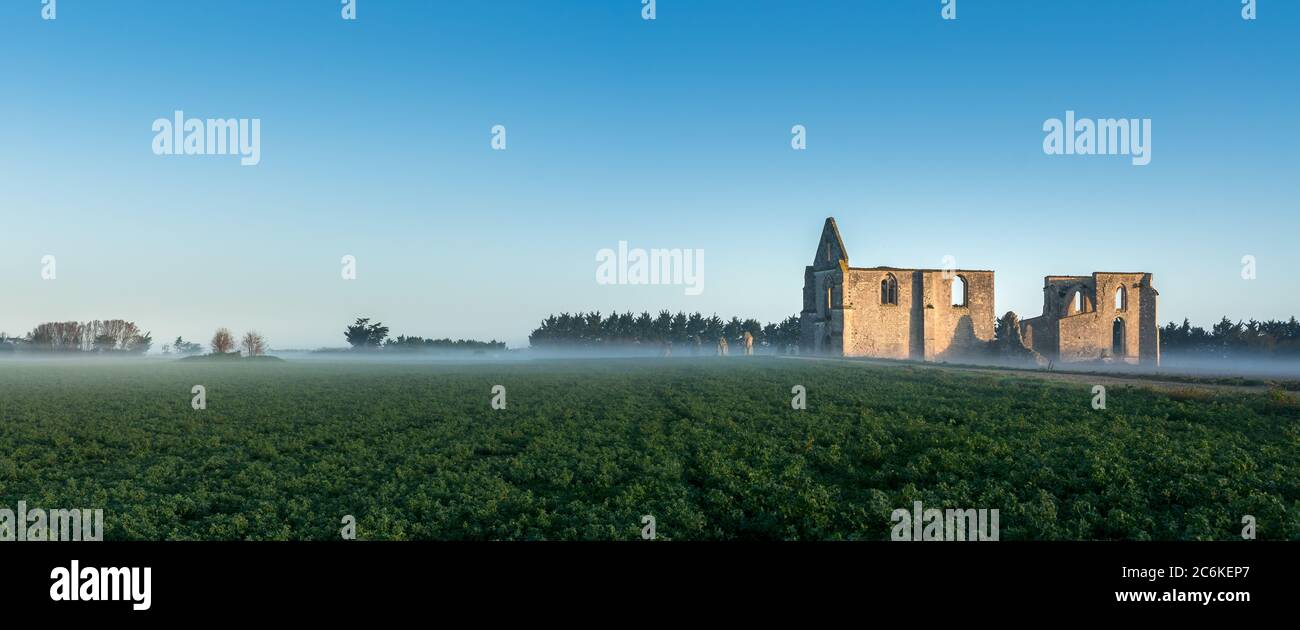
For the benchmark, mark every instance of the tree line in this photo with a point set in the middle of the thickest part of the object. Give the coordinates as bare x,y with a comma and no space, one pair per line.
363,335
252,344
1227,339
118,336
592,330
223,343
108,336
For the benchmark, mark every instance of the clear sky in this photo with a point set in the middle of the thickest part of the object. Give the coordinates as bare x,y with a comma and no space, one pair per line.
924,139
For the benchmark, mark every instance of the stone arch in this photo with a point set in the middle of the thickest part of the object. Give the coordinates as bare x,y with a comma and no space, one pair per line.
1078,301
960,291
1118,340
889,289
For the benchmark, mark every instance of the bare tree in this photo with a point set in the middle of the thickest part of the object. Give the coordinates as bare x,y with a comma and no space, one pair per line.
139,343
113,334
90,332
97,336
253,344
222,341
56,336
130,336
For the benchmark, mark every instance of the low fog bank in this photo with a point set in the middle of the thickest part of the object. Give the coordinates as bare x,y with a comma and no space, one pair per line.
384,356
1172,363
515,354
1285,367
85,358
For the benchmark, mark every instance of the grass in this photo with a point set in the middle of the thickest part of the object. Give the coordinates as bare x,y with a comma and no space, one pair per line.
710,447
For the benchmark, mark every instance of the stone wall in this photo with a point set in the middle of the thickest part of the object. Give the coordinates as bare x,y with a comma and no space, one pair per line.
881,330
956,331
1113,319
923,324
844,314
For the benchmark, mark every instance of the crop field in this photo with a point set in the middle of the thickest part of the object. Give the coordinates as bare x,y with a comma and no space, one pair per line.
710,447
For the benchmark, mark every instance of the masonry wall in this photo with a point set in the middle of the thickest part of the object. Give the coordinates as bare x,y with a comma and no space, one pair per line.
822,324
1040,335
843,313
954,331
924,324
879,330
1149,324
1080,337
1131,314
1068,335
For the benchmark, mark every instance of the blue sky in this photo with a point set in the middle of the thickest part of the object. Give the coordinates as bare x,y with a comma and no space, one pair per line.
924,140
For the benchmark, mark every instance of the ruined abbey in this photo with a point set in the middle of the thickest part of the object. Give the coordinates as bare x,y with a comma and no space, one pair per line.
948,314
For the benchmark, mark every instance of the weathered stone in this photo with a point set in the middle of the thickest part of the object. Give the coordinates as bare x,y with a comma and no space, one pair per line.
900,313
1112,318
1009,345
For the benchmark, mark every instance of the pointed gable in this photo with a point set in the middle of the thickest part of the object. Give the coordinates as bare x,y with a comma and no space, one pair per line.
830,248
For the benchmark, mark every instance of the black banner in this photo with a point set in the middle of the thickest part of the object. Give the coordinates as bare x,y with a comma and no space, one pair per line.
234,579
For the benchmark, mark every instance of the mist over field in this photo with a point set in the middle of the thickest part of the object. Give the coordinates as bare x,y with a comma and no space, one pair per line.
303,301
583,448
1172,363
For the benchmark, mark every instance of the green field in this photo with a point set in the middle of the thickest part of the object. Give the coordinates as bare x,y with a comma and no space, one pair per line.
710,447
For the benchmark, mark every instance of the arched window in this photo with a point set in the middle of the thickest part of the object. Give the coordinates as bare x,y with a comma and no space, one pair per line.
1117,340
889,290
1075,305
829,302
1121,298
959,291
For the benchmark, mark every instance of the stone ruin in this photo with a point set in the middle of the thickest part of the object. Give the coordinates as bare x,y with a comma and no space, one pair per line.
948,314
